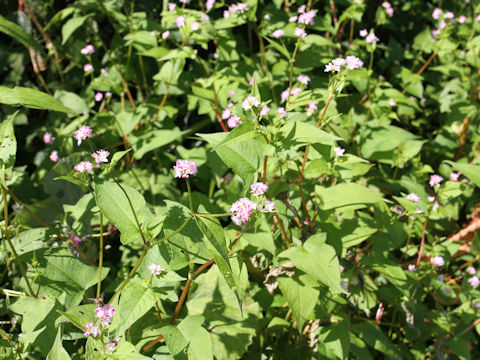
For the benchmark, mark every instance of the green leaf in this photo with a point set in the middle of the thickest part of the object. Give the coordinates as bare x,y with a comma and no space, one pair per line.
280,48
136,300
8,149
70,26
94,348
114,204
117,157
301,295
30,98
374,337
318,260
336,338
472,172
347,194
174,339
296,133
241,133
199,340
153,140
72,101
19,34
78,316
127,351
58,352
214,237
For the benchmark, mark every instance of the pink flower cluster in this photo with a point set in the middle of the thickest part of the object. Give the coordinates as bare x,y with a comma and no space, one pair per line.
100,156
438,14
91,329
413,197
303,79
184,168
48,138
249,102
84,166
235,8
242,210
105,313
438,261
350,63
295,91
88,50
435,180
83,133
311,108
156,269
111,344
388,8
258,189
338,151
278,33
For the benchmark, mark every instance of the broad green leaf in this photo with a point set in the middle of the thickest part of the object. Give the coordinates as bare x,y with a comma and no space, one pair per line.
347,194
58,352
216,245
136,300
30,98
154,140
318,260
70,26
19,34
472,172
117,157
94,348
280,48
301,295
336,338
231,330
369,332
8,149
127,351
302,133
174,339
241,133
78,316
199,340
72,101
38,317
115,205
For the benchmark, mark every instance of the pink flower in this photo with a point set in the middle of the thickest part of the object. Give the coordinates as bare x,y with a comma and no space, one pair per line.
389,11
242,210
338,151
281,112
296,91
449,15
251,81
437,13
226,114
435,180
371,38
413,197
84,166
462,19
210,4
303,79
87,68
231,93
412,268
54,156
83,133
471,270
108,94
180,21
293,19
307,17
264,111
172,6
104,71
91,329
474,281
301,9
105,313
87,50
48,138
156,269
363,32
438,261
233,121
185,168
442,25
300,33
111,344
100,156
267,206
250,101
258,189
311,107
98,96
477,18
278,33
195,26
165,35
353,63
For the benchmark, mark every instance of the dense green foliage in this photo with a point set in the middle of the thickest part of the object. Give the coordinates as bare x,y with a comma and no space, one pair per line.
360,116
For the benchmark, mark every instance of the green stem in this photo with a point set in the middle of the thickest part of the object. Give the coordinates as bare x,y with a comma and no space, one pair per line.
100,258
173,233
190,196
17,259
130,275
